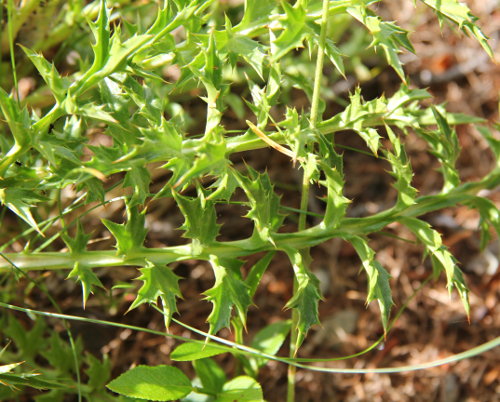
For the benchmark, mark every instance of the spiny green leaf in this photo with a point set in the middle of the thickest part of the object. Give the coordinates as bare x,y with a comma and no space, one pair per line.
18,121
256,15
441,258
386,35
156,383
200,219
58,150
213,64
378,278
87,278
493,142
77,244
138,177
207,155
306,297
111,55
264,203
158,143
57,84
401,171
102,34
404,96
20,201
359,114
260,106
254,276
371,137
115,56
335,56
228,291
450,151
294,31
490,217
130,235
444,145
90,110
251,51
159,282
460,14
336,202
224,186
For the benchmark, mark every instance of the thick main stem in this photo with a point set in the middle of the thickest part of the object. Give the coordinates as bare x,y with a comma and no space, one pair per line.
238,248
318,75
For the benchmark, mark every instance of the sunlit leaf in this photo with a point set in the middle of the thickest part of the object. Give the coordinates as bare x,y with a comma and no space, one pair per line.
159,283
129,236
228,292
156,383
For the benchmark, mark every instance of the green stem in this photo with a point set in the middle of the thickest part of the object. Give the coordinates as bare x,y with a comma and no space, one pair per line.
299,240
10,28
295,316
318,75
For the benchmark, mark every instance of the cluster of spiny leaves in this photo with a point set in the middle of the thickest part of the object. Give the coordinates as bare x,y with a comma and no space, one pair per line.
120,91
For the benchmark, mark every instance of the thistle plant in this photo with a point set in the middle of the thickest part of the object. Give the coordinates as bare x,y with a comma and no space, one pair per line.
239,60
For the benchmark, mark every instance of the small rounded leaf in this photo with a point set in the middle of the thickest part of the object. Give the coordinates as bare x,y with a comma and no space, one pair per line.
158,383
